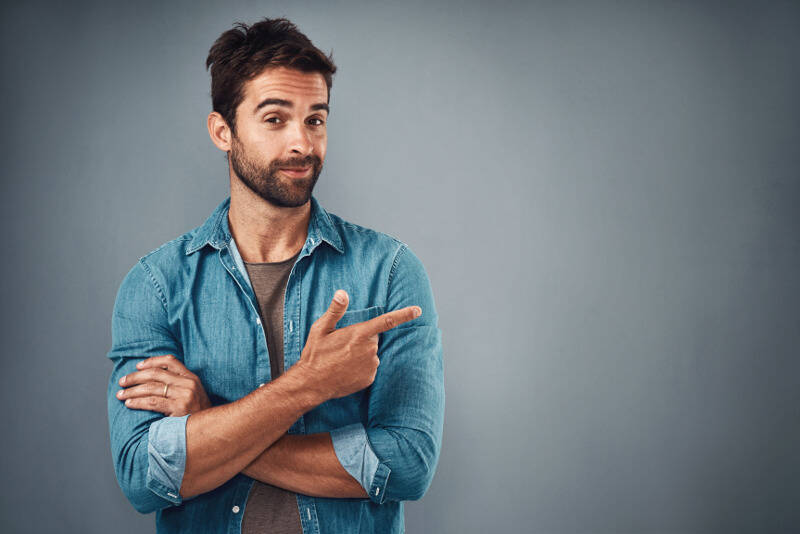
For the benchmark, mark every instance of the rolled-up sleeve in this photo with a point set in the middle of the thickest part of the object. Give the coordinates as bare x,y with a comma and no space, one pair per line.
353,451
394,456
148,449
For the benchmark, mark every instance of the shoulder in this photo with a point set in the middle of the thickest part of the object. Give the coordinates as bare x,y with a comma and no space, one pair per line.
356,235
169,252
404,265
168,258
155,269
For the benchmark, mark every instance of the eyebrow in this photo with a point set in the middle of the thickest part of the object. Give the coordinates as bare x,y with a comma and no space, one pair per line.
287,104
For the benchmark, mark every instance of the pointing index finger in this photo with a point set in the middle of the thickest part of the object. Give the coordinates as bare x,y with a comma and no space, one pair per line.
389,320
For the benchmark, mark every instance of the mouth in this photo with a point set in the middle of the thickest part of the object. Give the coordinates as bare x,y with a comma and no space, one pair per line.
295,172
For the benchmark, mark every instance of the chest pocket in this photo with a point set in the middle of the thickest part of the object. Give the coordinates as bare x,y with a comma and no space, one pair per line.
359,316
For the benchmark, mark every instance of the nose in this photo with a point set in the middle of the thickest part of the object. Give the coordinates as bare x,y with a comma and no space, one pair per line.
300,140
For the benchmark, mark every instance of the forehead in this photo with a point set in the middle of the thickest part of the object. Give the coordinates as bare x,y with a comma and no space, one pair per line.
289,84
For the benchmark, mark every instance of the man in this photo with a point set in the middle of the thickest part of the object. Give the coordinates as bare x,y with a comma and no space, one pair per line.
276,369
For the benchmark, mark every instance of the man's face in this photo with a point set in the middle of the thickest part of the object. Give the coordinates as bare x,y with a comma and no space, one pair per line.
281,135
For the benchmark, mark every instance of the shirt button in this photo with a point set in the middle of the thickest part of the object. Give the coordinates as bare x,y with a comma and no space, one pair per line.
258,320
261,384
235,509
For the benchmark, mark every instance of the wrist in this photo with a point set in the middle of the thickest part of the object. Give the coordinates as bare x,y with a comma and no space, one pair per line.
313,384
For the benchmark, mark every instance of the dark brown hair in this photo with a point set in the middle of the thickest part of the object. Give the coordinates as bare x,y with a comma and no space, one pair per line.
243,52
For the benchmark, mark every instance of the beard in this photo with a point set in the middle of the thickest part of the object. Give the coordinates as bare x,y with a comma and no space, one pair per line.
268,184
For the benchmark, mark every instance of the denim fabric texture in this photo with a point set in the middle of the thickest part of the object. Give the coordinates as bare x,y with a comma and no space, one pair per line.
191,297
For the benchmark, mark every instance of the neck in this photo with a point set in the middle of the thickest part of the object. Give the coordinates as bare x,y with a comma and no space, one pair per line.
263,232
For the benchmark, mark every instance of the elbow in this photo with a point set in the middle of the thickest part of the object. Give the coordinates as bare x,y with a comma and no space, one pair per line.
422,484
131,468
138,494
141,502
418,455
416,482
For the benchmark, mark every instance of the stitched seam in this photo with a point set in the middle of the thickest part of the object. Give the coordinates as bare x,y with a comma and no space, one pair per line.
178,240
216,228
397,255
364,230
155,284
385,483
213,229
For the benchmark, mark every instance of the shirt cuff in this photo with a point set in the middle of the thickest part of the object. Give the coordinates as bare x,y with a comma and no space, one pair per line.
354,452
166,452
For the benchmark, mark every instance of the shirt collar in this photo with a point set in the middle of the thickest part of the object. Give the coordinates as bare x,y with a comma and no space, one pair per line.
216,232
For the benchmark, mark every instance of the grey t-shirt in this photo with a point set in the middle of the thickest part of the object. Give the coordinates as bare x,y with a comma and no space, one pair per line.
270,508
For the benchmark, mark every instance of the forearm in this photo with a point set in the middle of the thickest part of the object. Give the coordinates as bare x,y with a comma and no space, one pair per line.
305,464
223,440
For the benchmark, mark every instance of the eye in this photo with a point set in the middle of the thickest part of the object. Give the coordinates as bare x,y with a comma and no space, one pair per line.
273,120
316,121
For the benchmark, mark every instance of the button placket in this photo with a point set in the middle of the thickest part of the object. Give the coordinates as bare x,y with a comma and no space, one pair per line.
229,262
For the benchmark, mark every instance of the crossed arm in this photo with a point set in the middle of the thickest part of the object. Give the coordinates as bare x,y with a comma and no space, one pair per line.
403,426
304,464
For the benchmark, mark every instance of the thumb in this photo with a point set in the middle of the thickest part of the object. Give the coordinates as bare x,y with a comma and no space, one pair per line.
328,320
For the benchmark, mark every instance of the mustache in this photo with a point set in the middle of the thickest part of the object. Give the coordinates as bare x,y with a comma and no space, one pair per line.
311,159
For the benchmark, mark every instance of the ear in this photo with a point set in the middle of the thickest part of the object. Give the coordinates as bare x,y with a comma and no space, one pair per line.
219,131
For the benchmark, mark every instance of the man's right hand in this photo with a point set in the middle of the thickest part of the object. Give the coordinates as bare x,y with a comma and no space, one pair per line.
341,362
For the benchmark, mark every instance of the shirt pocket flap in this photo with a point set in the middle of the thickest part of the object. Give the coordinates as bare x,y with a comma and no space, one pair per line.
359,316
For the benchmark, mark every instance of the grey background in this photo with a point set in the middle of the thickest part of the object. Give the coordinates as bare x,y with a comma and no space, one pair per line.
604,195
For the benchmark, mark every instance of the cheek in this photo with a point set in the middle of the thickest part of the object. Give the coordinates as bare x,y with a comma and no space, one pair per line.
321,145
268,146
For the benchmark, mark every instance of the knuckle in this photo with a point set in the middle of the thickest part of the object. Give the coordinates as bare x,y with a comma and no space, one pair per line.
152,401
389,321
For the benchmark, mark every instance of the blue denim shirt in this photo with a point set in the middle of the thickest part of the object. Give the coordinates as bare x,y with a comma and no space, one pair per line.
191,297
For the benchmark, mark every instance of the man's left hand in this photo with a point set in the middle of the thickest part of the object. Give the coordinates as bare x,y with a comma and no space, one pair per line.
163,384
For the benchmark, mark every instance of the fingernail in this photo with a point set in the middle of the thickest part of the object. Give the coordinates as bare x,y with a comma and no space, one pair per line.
122,380
128,402
417,311
339,296
119,394
139,365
